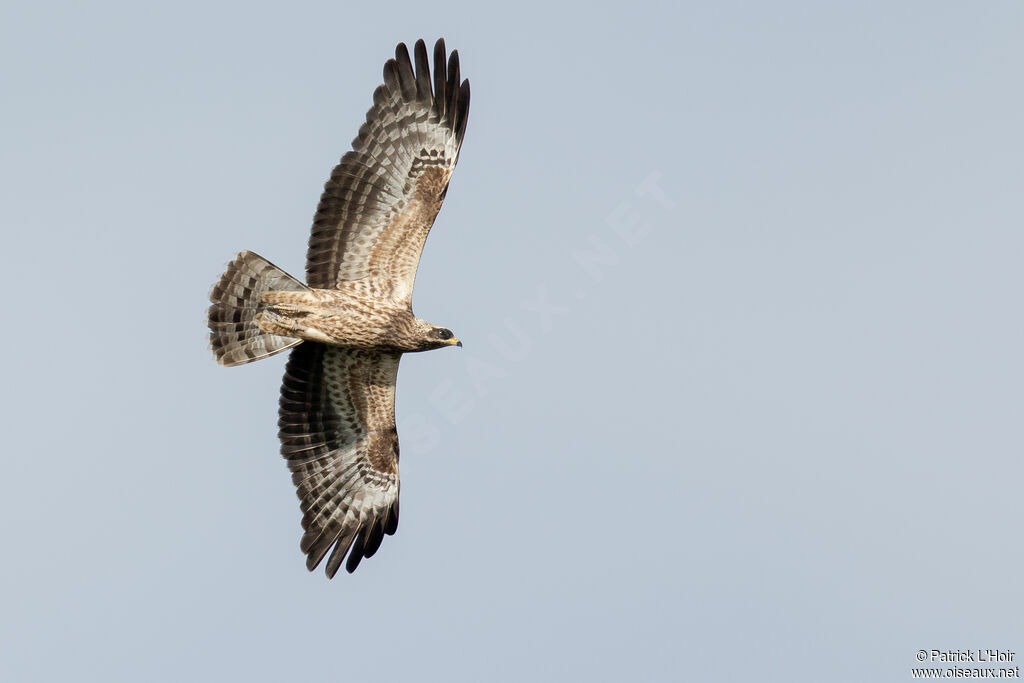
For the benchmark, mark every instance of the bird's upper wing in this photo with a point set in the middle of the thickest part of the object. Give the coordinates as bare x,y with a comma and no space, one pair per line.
380,201
337,430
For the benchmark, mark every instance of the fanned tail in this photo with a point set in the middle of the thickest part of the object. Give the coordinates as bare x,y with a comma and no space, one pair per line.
234,335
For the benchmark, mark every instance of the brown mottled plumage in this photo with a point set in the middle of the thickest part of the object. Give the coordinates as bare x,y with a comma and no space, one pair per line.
350,326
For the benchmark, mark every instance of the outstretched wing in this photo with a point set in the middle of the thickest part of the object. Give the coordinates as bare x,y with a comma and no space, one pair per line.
337,430
381,200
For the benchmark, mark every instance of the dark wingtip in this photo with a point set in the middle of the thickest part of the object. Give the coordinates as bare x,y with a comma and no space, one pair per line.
356,554
391,525
463,117
423,89
452,89
439,53
440,77
406,76
337,555
312,561
376,536
391,78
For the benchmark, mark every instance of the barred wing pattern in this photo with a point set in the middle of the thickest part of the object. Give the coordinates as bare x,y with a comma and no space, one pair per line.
380,202
337,430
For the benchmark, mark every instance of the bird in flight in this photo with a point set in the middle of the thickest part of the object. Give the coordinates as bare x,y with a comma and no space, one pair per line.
349,325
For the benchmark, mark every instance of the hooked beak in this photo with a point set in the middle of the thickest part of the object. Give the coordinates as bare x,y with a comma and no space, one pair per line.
459,344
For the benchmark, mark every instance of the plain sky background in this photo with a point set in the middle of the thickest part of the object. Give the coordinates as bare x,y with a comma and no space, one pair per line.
742,396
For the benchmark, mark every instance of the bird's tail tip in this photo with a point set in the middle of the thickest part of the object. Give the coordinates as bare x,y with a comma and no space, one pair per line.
235,336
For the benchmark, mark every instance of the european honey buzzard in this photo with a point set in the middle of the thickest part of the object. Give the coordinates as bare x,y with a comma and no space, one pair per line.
349,325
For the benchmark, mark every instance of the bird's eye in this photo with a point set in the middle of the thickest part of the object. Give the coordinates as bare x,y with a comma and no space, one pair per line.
444,334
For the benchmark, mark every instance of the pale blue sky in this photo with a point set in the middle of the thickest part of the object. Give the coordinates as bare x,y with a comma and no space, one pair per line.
740,286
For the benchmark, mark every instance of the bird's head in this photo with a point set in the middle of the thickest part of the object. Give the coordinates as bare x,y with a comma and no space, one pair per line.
426,336
442,336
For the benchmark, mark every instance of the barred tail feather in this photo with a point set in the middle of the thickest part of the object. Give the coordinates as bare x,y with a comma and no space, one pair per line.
234,335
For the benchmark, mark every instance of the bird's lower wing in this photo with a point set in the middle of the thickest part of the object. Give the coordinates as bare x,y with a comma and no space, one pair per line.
337,430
